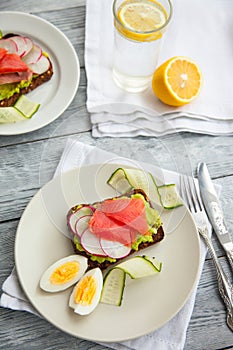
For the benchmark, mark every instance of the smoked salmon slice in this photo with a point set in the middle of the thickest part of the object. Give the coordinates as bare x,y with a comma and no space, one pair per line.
12,68
3,52
128,211
106,228
11,63
120,220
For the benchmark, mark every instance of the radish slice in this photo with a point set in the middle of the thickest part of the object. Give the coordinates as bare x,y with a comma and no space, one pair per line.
33,55
82,224
29,45
21,44
113,249
91,243
41,66
9,45
71,220
74,216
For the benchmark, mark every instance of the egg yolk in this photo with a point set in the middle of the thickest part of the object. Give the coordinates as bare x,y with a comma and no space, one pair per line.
65,272
86,291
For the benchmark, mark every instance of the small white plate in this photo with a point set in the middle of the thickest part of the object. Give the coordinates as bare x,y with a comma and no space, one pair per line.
57,94
148,303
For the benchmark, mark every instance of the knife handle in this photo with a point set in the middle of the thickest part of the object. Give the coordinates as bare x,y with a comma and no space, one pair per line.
230,256
224,285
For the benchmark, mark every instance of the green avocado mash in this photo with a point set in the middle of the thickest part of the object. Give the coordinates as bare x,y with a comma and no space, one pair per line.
152,215
153,220
8,90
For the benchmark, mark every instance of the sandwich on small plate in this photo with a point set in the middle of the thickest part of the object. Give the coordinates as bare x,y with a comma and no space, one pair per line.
23,67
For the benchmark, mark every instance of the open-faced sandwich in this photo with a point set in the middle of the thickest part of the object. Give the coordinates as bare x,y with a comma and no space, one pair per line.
23,67
108,231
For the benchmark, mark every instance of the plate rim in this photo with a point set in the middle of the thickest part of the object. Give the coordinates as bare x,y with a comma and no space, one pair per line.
107,340
10,128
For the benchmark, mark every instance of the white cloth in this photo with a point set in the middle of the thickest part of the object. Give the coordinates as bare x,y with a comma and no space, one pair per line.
169,337
201,30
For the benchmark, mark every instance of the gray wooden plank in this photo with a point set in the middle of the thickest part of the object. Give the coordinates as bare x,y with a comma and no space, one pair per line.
207,329
41,6
18,175
24,331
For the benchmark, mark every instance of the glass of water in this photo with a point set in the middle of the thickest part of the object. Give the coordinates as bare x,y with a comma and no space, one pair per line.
139,29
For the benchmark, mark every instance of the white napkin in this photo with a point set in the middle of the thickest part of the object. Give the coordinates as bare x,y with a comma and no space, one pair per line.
201,30
169,337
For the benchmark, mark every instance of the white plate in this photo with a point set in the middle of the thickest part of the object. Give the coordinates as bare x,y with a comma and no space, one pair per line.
55,95
148,303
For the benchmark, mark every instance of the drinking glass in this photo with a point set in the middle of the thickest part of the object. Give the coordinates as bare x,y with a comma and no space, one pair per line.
136,51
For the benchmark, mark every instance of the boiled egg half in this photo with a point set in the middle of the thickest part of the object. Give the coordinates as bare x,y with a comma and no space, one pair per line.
86,294
63,273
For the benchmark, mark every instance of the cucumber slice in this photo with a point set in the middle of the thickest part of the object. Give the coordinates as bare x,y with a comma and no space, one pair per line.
114,281
26,106
119,181
124,180
169,197
23,109
152,260
113,287
139,267
10,115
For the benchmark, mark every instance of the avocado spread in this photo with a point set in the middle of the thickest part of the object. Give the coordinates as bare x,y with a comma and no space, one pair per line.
8,90
153,220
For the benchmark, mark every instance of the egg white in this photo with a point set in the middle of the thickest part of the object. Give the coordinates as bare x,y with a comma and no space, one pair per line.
87,309
47,286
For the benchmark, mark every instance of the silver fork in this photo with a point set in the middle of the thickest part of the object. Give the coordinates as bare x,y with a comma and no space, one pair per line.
191,197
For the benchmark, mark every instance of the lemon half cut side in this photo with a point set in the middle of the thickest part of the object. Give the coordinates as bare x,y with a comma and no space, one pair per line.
177,81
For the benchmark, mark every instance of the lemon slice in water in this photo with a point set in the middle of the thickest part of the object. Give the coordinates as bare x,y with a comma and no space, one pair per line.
142,20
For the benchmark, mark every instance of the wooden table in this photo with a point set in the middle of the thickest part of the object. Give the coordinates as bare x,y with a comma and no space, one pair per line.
29,160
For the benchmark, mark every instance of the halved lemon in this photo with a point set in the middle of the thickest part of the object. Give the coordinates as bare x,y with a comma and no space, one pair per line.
141,20
177,81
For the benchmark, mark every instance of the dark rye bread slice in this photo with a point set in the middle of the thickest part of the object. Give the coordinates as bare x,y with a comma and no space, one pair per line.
105,264
36,81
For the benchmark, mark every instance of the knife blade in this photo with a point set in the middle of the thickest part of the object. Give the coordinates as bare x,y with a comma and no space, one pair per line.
214,210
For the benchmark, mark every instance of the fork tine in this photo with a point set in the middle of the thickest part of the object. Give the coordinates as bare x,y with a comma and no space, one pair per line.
183,191
190,193
197,196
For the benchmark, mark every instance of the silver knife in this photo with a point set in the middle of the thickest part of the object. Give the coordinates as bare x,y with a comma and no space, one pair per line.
214,211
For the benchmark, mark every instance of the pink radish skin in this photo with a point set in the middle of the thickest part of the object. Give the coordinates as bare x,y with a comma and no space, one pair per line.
74,216
71,220
114,250
9,45
91,243
33,55
82,224
21,44
41,66
28,45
